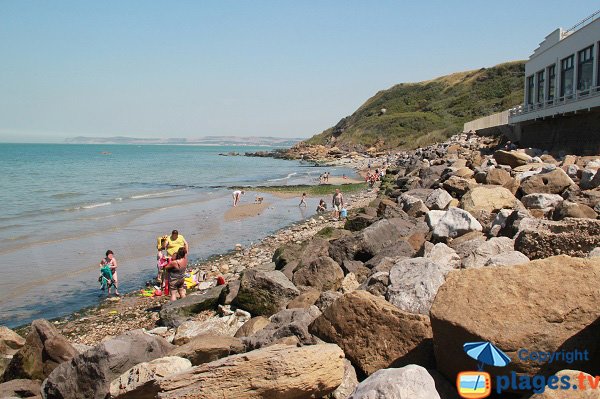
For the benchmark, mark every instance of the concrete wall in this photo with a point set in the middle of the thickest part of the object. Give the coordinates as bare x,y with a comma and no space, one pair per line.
501,118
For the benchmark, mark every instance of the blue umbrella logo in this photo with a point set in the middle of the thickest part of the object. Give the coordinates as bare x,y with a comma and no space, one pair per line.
486,353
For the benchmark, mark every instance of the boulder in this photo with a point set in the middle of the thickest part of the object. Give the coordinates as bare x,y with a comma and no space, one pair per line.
229,292
172,314
557,307
541,200
285,323
594,252
348,384
500,177
553,182
453,223
373,333
89,374
438,199
588,392
408,382
568,209
389,209
322,273
326,299
305,300
208,348
357,267
476,253
414,283
359,221
264,293
542,238
376,284
507,259
349,283
10,343
413,206
442,254
302,253
20,388
136,377
252,326
457,186
511,158
488,198
226,326
44,349
278,371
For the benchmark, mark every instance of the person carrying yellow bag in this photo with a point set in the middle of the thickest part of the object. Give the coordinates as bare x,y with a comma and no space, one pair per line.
174,242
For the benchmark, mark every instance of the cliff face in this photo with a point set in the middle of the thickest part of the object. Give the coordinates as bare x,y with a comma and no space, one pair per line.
411,115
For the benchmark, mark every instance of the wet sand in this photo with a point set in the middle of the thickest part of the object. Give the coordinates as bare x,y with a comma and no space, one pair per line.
243,211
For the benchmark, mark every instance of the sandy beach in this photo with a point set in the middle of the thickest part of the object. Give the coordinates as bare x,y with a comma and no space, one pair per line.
243,211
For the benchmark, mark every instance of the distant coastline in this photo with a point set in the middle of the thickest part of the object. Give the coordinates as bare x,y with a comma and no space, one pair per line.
255,141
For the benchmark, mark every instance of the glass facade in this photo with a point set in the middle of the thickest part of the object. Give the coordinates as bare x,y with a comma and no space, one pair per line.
585,69
567,76
551,82
541,85
530,89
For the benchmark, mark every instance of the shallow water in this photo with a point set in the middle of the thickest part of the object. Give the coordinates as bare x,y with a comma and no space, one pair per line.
62,206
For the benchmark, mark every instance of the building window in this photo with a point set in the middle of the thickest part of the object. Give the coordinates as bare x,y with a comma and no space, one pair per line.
551,82
530,90
585,69
540,87
566,77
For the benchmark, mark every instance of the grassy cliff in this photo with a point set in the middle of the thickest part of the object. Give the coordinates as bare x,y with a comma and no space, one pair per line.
421,113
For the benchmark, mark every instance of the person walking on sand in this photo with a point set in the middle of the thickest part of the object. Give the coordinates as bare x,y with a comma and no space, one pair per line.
337,203
174,242
303,200
111,262
176,268
237,195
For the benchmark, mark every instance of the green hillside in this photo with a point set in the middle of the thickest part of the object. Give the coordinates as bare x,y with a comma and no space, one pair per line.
421,113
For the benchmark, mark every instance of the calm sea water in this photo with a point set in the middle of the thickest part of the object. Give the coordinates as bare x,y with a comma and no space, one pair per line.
62,206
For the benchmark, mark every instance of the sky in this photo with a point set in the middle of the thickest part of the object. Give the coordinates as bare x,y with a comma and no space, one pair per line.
149,68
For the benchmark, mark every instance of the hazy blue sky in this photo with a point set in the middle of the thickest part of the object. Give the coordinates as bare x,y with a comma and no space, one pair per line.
283,68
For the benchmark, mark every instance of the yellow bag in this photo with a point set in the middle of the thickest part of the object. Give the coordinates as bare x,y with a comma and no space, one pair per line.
158,241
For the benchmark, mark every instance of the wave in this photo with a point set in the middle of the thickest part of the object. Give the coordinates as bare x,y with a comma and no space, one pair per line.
150,195
91,206
66,195
290,175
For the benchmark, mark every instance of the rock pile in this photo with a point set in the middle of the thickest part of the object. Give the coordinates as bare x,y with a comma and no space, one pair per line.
465,242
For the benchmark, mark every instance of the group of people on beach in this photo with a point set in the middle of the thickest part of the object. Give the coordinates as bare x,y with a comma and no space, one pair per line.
374,177
171,262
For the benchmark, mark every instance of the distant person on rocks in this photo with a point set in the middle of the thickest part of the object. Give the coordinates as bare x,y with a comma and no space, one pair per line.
303,200
337,203
322,207
237,196
176,268
111,262
174,242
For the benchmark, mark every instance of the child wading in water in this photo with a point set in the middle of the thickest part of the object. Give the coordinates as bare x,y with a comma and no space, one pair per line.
111,262
303,200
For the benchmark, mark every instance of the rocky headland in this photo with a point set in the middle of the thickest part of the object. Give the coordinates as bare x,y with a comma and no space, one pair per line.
462,241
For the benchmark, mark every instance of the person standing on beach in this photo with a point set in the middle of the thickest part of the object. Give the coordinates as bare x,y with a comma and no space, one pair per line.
303,200
111,262
176,268
237,195
337,203
174,242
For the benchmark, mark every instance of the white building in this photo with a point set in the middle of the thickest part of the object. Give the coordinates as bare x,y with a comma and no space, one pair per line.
562,75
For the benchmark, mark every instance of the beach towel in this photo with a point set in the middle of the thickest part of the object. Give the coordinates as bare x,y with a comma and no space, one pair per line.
106,277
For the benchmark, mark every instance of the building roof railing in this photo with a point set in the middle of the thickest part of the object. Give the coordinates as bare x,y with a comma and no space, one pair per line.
581,23
555,103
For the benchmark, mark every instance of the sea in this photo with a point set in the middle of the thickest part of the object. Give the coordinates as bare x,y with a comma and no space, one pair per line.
63,205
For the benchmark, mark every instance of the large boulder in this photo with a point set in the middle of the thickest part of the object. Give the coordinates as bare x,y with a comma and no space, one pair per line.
568,209
438,199
10,343
500,177
488,199
569,391
322,273
553,182
546,305
285,323
507,259
252,326
208,348
305,300
278,371
453,223
359,221
265,293
225,326
476,253
414,283
541,200
408,382
442,254
373,333
296,255
136,377
511,158
457,186
348,384
44,349
20,388
89,374
172,314
542,238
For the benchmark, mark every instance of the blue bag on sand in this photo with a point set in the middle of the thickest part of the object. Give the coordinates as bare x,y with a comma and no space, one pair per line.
344,213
